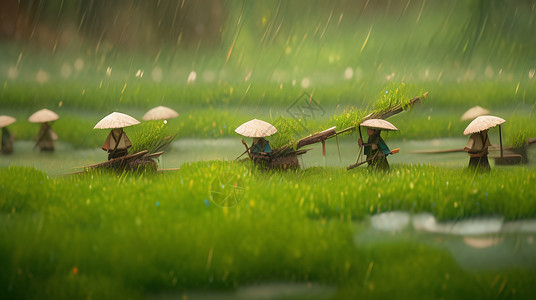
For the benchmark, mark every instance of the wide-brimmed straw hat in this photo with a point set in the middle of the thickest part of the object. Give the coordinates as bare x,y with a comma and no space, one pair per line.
116,120
483,123
474,112
160,113
43,115
6,121
378,124
256,128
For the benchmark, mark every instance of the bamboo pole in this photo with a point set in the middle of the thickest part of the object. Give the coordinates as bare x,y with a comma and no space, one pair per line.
500,140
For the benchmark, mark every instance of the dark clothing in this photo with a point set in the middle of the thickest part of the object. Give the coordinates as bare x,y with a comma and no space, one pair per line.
116,144
117,153
477,148
46,138
7,142
480,163
261,145
377,158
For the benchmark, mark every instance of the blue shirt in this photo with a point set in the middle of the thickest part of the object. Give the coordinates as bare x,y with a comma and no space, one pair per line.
256,148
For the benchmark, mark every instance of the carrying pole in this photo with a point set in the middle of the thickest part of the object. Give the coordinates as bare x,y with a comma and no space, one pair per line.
500,140
360,147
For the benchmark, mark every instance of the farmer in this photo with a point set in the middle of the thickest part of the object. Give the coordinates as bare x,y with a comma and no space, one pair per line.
46,137
376,150
258,130
117,143
477,148
260,146
7,141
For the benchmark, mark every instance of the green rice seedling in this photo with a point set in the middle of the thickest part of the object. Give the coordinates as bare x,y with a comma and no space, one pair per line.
151,136
349,118
288,132
517,130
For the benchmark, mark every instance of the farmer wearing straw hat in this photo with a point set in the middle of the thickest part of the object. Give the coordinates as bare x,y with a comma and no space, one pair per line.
376,149
117,142
46,137
257,129
477,148
7,139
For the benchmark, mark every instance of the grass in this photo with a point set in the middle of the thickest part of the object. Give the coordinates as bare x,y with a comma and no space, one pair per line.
102,235
106,235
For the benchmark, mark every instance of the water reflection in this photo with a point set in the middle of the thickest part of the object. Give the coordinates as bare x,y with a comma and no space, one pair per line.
483,243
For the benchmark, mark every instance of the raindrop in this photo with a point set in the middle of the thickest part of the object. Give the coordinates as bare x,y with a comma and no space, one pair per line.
66,70
305,83
531,73
41,76
79,64
12,73
139,73
288,50
191,77
348,73
108,71
248,76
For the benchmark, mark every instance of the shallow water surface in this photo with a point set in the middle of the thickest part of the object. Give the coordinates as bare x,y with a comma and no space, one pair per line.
484,243
66,159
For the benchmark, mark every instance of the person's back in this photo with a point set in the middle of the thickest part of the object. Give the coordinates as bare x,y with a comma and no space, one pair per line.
261,147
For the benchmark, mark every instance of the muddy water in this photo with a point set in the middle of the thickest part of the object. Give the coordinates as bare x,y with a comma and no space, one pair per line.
66,159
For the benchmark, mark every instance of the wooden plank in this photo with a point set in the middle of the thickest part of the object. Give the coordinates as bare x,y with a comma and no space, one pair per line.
438,151
316,137
154,155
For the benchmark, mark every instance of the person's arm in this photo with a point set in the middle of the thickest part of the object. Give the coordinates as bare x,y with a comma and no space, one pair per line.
106,145
470,144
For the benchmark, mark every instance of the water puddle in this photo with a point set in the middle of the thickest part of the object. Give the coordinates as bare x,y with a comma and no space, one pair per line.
475,244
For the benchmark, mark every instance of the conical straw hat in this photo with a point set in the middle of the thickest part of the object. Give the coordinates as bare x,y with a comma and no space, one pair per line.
6,121
256,128
474,112
378,124
160,113
42,116
116,120
483,123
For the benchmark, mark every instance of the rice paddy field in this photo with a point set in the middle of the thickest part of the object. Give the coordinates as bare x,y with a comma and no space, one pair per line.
207,226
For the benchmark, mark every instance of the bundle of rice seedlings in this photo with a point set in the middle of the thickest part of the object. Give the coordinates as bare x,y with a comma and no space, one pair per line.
288,130
152,136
